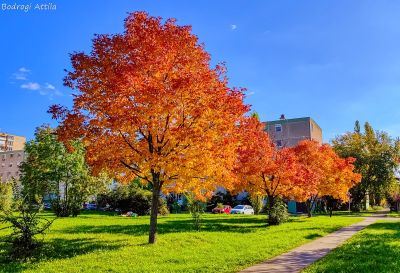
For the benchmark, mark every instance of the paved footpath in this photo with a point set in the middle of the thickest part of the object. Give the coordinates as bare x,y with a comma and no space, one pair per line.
300,257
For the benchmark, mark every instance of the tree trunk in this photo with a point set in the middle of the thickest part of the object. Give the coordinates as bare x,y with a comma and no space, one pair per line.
309,207
154,208
270,206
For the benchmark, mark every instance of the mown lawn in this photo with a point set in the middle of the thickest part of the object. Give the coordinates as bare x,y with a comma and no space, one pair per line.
227,243
394,214
375,249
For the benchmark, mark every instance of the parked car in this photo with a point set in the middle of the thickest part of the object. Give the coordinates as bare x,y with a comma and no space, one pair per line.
242,209
225,209
90,206
47,205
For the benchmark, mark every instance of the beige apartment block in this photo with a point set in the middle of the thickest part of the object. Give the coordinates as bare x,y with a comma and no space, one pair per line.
288,132
9,164
10,142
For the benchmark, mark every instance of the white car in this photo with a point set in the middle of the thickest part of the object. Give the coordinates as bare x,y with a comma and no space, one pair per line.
242,209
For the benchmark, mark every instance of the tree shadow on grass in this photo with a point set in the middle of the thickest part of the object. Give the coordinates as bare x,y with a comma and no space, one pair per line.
56,249
237,225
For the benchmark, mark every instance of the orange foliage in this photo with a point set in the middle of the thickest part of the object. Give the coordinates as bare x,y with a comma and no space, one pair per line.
304,172
323,172
264,169
149,105
149,102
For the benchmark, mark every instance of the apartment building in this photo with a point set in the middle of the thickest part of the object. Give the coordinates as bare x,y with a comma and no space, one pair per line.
288,132
10,142
9,164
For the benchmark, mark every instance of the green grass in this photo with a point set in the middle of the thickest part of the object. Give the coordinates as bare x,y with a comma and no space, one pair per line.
227,243
352,213
394,214
375,249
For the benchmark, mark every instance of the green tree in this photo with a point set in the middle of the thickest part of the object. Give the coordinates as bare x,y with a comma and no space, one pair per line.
51,171
376,156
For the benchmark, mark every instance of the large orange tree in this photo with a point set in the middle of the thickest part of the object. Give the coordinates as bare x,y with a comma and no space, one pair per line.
148,105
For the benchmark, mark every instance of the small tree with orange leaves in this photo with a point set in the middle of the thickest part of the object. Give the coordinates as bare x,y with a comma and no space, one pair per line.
263,169
322,173
149,105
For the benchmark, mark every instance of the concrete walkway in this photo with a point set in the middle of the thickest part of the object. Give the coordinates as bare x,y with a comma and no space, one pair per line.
300,257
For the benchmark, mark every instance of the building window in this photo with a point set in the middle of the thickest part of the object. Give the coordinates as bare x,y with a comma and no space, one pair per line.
278,128
279,143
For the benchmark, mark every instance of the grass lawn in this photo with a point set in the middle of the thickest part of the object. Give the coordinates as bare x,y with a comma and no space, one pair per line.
375,249
227,243
394,214
352,213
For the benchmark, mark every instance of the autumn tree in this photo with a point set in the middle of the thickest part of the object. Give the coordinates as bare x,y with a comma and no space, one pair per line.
148,105
265,170
322,173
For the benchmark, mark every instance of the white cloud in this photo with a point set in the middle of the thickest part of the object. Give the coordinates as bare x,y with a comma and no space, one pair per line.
46,89
49,86
233,27
21,74
24,70
251,93
31,86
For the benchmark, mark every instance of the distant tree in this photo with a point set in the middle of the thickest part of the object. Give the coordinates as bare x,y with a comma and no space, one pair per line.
394,195
150,106
377,156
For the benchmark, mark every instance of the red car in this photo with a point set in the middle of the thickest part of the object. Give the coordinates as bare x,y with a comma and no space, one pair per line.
226,209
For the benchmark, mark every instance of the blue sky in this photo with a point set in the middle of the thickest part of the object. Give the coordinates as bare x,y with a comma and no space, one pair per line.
335,61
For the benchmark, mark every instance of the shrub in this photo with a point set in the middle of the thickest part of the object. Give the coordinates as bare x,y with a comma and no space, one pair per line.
196,208
163,208
257,202
131,198
278,213
6,196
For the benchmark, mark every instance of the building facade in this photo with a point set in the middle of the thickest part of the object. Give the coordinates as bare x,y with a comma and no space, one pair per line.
10,142
288,132
9,164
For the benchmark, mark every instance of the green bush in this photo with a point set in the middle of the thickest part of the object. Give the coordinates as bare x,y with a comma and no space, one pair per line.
6,196
131,198
163,208
278,213
257,202
196,208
